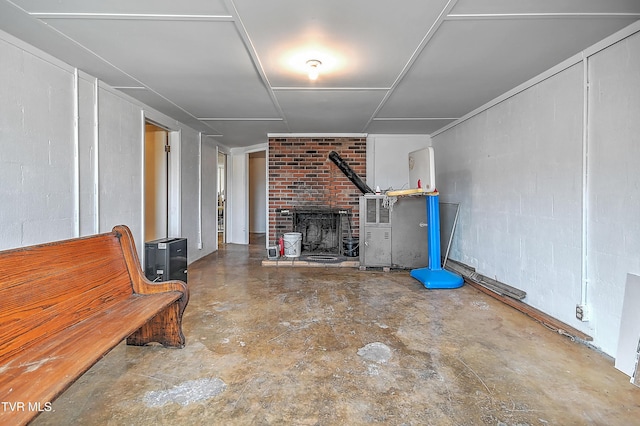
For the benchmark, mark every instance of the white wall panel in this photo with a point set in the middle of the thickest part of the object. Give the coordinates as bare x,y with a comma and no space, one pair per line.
190,158
237,197
516,170
120,164
87,156
257,194
614,182
36,133
209,196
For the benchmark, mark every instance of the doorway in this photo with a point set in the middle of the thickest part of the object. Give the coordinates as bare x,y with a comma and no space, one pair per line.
222,194
257,197
156,182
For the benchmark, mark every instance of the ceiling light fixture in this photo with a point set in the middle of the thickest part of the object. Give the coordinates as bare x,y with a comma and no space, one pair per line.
313,66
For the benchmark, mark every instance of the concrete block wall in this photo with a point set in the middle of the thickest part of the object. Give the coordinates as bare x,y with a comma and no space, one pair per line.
516,168
613,181
58,181
302,175
190,158
87,155
516,171
120,163
36,182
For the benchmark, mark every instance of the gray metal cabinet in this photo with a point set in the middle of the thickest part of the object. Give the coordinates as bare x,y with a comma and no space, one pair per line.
395,237
377,246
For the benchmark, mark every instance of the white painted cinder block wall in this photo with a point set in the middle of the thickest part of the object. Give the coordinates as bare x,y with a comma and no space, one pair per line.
614,181
36,177
48,193
516,168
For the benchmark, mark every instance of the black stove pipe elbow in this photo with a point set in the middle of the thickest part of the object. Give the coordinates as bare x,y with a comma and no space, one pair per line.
349,173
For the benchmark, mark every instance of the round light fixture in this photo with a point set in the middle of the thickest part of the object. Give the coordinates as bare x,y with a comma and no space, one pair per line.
313,66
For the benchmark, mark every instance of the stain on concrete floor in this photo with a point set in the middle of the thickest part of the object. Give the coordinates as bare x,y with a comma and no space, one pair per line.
186,393
376,352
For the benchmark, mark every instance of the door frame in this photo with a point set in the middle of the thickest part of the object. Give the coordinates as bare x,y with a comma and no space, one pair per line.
174,172
225,196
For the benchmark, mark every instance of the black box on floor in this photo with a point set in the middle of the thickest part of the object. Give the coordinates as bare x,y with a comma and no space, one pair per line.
166,259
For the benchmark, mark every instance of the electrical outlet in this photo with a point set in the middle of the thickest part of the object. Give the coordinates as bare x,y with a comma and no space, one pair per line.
582,313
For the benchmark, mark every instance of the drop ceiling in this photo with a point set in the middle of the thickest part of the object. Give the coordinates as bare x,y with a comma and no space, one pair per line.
234,69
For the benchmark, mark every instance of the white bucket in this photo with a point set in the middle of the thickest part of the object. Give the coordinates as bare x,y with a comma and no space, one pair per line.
292,244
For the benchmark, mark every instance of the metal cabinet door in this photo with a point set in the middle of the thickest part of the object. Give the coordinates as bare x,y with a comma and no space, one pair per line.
377,246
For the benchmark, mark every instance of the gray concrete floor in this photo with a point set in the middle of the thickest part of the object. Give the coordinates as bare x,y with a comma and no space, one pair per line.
315,346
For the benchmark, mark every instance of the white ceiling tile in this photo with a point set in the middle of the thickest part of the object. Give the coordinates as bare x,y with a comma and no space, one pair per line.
201,66
361,44
328,110
247,133
545,6
469,63
15,22
205,7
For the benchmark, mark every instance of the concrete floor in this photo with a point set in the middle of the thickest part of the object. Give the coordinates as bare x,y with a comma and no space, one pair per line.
314,346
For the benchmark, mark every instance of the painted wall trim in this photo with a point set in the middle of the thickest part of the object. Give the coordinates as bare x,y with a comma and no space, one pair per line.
76,153
532,15
96,156
200,191
175,184
584,300
257,148
143,167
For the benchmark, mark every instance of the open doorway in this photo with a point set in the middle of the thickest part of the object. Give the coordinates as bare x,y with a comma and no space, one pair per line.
156,182
257,197
222,194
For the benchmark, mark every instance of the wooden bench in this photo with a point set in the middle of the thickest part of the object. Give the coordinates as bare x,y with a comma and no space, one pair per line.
64,305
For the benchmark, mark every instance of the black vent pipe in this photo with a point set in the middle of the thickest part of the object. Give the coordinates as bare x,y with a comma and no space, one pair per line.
348,172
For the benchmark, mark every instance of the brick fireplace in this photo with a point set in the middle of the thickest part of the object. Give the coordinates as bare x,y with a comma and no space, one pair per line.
303,180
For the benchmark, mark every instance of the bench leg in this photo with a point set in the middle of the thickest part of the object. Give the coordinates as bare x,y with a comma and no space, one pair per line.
165,328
